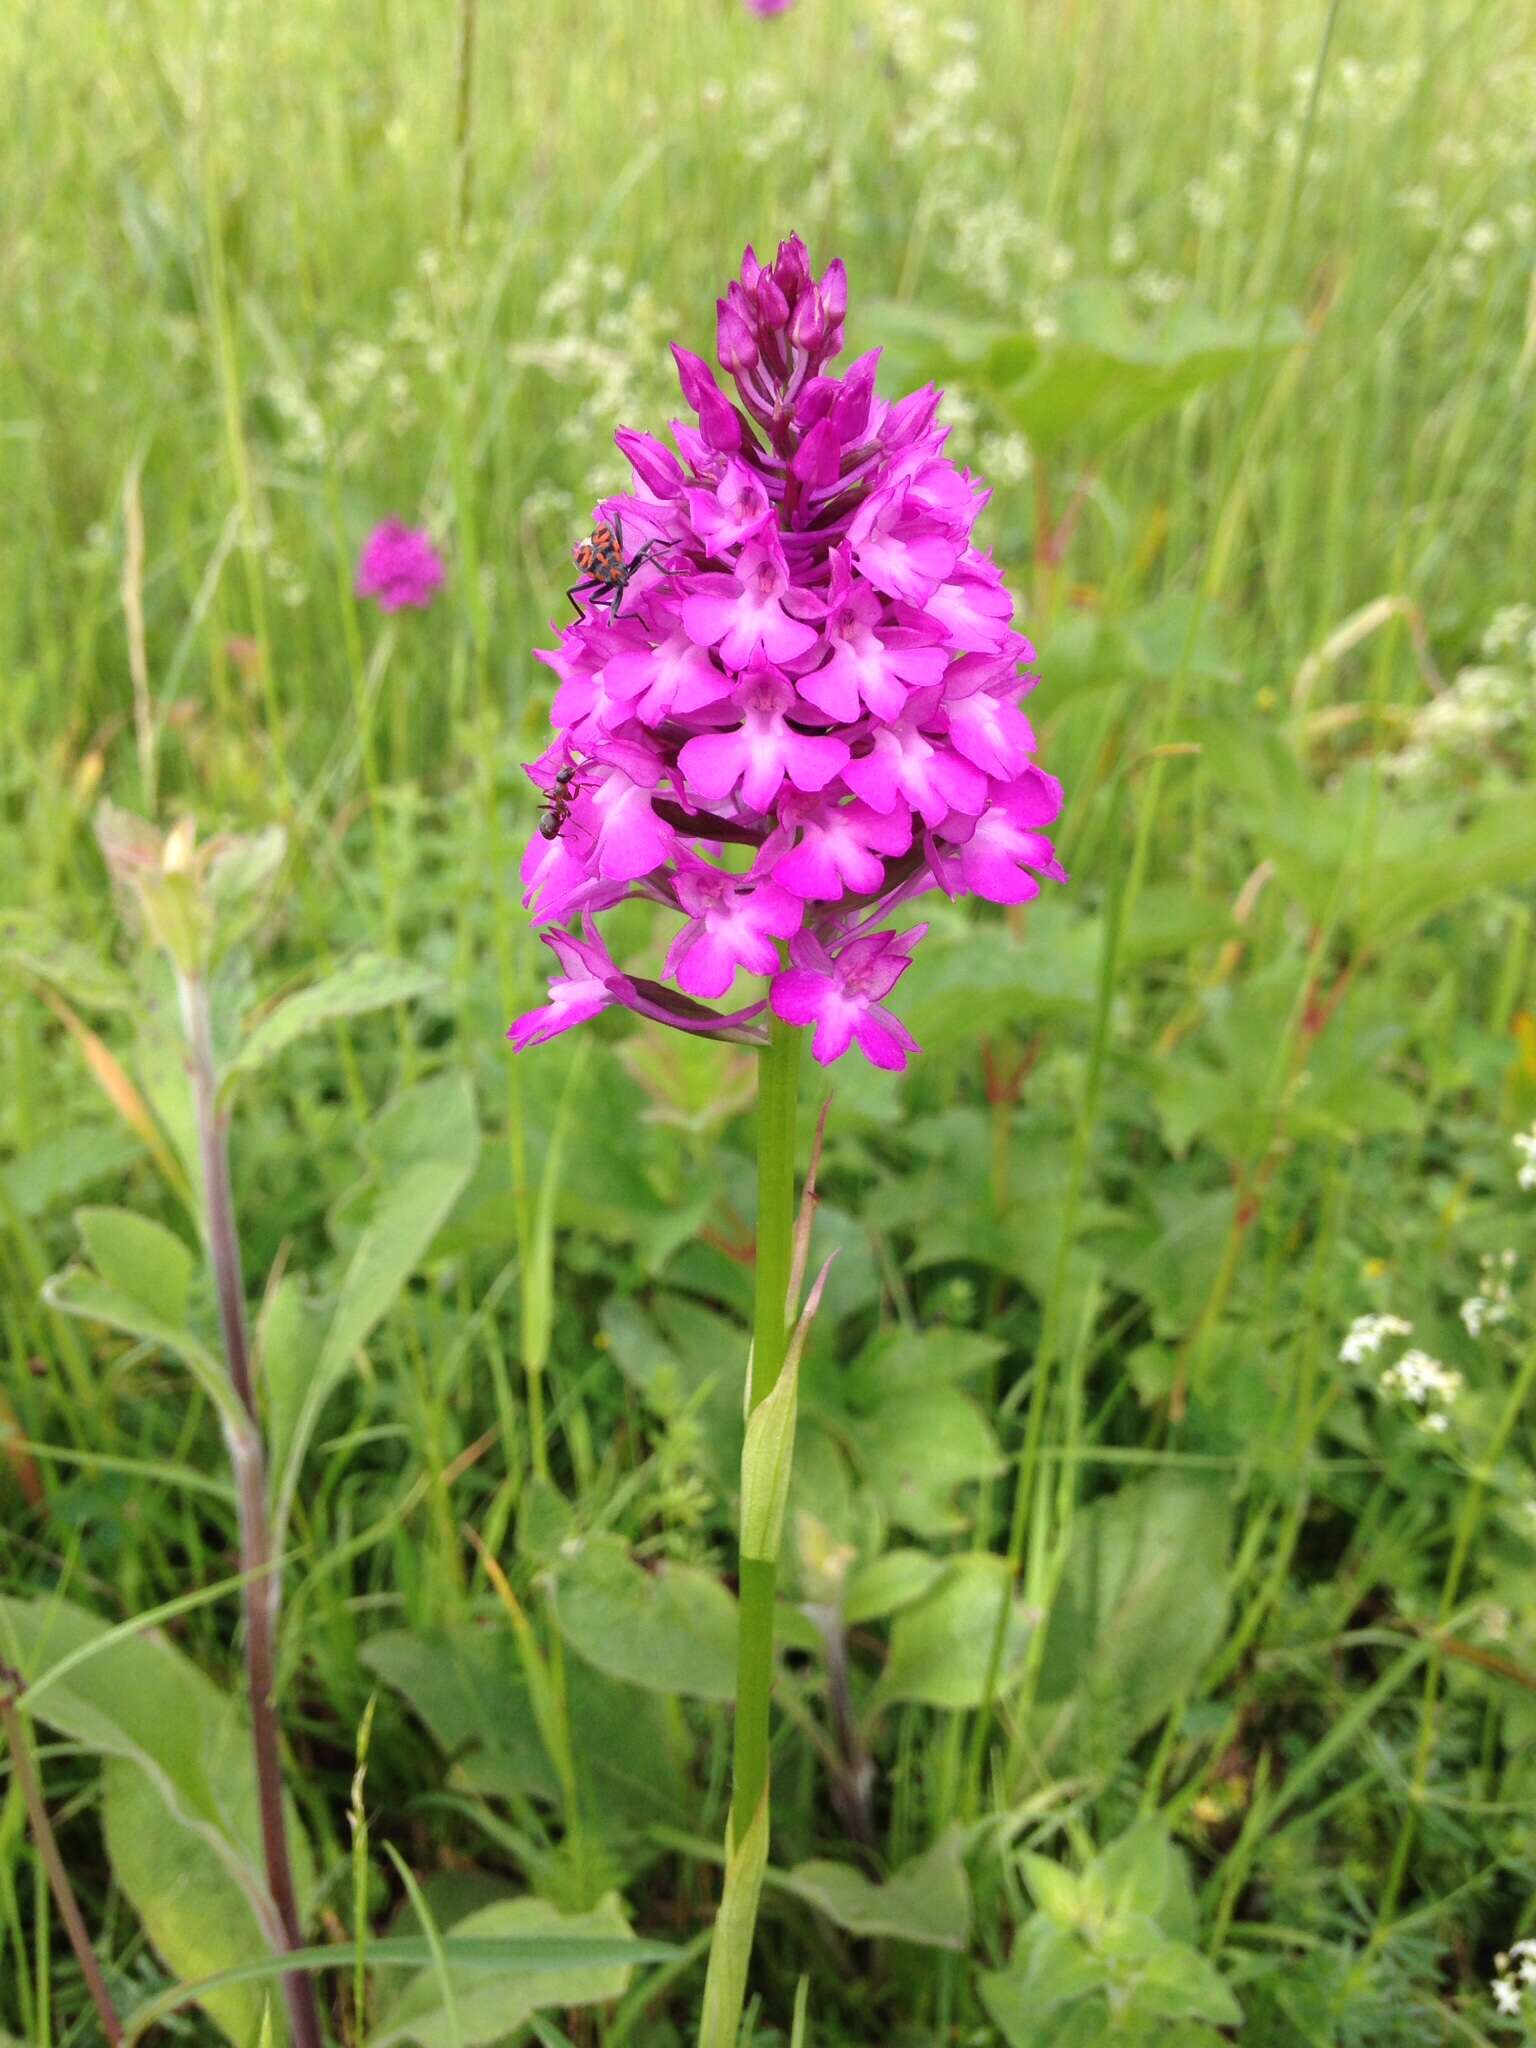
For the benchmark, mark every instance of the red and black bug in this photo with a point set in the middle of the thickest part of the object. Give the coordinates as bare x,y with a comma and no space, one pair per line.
604,571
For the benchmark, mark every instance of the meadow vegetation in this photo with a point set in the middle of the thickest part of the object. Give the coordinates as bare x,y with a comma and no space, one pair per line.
1183,1305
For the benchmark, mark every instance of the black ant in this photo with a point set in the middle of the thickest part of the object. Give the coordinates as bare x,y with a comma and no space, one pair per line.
604,569
557,805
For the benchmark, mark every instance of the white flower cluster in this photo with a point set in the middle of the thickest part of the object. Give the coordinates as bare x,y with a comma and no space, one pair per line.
1494,1298
1367,1334
1524,1143
1424,1383
1516,1974
1488,702
1417,1379
1511,630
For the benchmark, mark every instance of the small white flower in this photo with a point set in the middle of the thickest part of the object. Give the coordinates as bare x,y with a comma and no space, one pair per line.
1506,1996
1424,1382
1524,1143
1367,1334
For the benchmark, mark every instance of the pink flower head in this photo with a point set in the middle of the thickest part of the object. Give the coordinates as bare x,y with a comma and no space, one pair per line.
764,8
399,566
732,922
840,996
579,992
806,713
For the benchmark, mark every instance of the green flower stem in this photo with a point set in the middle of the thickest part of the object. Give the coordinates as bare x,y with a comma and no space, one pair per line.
777,1089
778,1086
754,1677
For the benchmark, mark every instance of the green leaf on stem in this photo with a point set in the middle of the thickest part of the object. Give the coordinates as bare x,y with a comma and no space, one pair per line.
141,1259
730,1948
142,1291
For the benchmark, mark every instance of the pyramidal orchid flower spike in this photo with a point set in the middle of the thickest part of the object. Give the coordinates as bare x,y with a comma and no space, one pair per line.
800,711
399,567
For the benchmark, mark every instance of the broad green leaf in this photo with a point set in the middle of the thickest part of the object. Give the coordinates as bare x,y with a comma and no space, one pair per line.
1058,1892
1177,1982
468,1688
370,982
899,1358
424,1145
1050,1969
140,1259
887,1584
927,1900
60,1166
917,1448
941,1646
198,1919
140,1700
669,1629
488,2006
1139,1609
1142,1872
545,1958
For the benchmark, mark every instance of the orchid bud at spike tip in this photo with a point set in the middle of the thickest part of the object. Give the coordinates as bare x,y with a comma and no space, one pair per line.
792,704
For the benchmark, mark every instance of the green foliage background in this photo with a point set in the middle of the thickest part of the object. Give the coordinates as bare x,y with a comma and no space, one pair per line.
1233,303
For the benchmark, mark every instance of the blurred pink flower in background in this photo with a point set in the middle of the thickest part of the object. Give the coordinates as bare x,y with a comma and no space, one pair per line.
399,566
766,7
